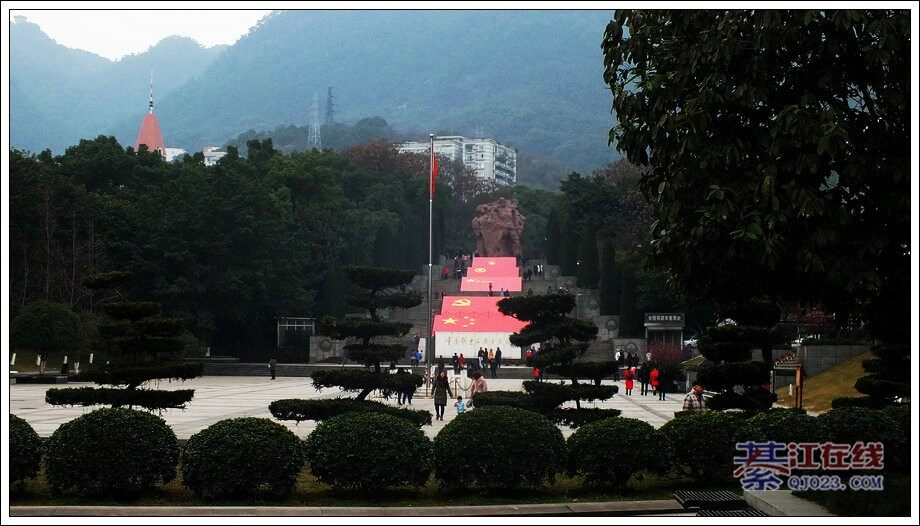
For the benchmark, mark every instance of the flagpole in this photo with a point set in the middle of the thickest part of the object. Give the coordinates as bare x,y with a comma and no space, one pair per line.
429,344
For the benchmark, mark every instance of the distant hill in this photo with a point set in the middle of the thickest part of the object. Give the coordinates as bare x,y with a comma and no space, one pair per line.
531,79
60,95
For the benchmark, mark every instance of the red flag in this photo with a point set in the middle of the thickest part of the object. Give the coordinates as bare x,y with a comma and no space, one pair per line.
434,175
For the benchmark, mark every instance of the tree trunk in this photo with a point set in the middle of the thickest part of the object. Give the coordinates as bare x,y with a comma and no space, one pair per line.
363,394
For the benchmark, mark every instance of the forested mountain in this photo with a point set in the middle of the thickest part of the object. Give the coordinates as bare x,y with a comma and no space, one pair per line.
61,95
531,79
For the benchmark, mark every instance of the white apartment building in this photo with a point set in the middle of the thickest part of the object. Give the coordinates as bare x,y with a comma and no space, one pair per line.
212,154
487,158
173,154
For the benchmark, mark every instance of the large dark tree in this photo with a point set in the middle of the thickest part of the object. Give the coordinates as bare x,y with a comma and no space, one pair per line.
730,371
46,328
142,346
563,339
381,288
776,151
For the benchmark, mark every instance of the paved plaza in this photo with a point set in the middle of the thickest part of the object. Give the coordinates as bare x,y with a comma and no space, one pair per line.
220,397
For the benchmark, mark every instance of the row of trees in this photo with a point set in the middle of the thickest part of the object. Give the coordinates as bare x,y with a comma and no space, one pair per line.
230,247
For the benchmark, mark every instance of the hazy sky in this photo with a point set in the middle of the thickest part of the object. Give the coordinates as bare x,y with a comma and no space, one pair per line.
116,33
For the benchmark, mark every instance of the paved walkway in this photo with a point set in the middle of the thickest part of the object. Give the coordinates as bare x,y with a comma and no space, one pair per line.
220,397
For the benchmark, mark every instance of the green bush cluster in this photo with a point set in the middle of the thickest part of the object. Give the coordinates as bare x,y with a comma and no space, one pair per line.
849,425
368,451
25,450
299,410
116,452
240,457
702,445
609,452
788,425
113,451
523,449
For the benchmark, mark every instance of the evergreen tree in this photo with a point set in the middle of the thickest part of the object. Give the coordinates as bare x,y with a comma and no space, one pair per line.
630,317
588,273
382,290
142,345
611,284
568,247
46,328
553,238
728,348
888,378
385,246
563,339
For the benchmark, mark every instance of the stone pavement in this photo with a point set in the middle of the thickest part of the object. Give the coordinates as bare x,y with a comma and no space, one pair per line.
220,397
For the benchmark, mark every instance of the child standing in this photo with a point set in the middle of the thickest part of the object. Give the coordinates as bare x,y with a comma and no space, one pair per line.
460,404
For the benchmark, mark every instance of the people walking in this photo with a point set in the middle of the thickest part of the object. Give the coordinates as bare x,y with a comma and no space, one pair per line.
664,382
643,375
498,357
441,392
653,379
479,385
272,367
493,365
455,363
629,376
694,400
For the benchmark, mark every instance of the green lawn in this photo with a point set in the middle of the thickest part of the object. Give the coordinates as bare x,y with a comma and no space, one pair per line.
309,492
822,388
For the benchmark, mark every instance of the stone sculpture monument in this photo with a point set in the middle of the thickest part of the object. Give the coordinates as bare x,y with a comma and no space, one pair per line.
497,227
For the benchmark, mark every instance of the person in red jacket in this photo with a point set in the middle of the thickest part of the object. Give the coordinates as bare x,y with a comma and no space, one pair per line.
461,361
628,376
653,379
537,374
528,356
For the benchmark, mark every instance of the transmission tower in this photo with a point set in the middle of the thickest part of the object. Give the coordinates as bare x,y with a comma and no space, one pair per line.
330,113
314,139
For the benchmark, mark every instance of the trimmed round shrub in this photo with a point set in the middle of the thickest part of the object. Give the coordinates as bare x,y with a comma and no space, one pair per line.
702,445
788,425
517,399
242,456
299,410
573,418
499,448
369,451
848,425
25,450
113,451
609,452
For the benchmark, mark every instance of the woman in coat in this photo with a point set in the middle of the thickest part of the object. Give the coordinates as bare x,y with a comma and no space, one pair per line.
628,377
653,379
441,392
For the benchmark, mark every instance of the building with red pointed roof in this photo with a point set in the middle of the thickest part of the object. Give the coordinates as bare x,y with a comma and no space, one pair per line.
150,134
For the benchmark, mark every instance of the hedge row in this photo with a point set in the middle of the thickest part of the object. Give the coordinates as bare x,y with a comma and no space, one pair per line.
152,399
300,410
121,451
